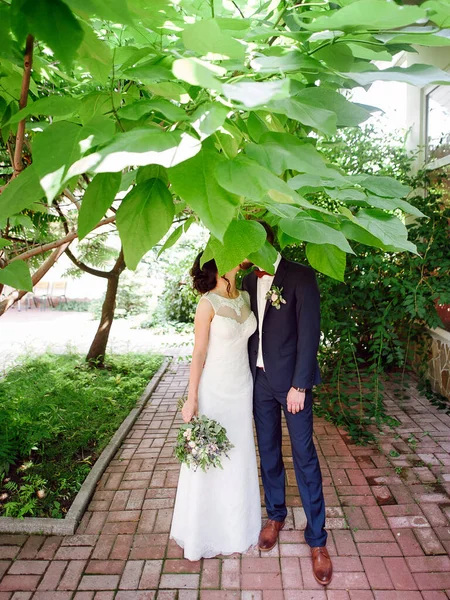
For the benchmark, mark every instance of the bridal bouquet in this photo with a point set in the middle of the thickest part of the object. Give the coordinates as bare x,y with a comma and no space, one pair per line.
202,443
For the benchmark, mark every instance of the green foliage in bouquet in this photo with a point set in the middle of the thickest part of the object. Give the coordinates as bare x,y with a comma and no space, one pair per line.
202,443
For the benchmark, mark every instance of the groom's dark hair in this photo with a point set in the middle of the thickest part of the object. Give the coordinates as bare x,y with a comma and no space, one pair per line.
269,231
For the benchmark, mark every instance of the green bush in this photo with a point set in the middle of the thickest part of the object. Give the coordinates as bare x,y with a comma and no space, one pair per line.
131,300
56,416
178,302
179,299
371,322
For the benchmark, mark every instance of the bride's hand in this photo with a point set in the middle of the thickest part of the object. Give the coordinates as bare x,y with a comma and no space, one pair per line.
189,410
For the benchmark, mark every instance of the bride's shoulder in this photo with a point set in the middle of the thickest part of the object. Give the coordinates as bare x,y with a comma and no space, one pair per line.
208,299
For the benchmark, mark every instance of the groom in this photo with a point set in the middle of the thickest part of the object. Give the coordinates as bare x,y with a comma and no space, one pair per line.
283,360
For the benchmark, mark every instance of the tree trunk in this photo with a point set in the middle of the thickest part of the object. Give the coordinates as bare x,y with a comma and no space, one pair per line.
97,351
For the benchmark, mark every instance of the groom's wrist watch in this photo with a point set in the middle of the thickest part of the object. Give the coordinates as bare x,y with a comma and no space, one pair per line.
300,389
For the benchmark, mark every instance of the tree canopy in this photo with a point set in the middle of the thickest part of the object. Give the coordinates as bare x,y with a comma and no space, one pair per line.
148,114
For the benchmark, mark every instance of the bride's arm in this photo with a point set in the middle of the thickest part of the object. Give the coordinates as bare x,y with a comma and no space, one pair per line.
202,323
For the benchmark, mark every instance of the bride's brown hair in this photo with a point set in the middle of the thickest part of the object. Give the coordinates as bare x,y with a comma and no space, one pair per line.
204,278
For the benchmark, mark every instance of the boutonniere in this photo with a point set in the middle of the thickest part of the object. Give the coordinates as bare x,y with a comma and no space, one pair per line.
275,297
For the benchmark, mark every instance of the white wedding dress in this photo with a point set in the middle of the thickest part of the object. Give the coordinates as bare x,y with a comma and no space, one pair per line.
219,512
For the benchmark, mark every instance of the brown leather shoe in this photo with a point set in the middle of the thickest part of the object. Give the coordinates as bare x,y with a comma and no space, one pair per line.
322,566
269,534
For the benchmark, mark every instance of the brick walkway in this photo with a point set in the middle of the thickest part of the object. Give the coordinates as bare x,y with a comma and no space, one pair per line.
388,515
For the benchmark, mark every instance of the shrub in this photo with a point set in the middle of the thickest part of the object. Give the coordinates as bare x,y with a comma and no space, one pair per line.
371,322
56,416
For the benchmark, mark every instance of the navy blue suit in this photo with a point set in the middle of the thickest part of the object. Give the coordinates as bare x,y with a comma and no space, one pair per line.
290,340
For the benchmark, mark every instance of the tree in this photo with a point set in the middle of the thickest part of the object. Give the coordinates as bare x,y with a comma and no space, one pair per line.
148,112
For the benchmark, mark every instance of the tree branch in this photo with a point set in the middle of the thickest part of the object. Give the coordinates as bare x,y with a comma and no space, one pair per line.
28,62
57,243
238,9
68,194
81,265
78,263
35,278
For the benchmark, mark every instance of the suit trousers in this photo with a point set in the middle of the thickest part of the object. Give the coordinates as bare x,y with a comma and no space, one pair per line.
267,407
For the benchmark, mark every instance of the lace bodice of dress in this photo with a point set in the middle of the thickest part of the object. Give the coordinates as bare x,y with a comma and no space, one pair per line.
233,323
231,308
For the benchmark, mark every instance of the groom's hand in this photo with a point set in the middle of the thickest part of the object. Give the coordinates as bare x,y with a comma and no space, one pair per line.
295,401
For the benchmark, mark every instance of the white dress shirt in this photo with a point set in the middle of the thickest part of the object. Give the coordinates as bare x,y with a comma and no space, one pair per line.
263,285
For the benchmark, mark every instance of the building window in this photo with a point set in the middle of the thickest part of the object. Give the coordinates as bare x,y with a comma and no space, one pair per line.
438,124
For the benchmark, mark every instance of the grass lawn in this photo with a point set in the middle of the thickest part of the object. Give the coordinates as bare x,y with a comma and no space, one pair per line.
56,416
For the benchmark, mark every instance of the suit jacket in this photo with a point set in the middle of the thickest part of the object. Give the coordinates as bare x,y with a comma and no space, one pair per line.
290,335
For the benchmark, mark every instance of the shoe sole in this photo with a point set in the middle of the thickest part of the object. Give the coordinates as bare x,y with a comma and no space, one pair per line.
271,547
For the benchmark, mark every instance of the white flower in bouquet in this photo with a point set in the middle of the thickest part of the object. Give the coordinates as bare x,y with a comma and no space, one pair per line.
202,443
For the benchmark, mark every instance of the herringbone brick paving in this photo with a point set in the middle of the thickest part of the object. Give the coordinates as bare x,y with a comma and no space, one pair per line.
388,515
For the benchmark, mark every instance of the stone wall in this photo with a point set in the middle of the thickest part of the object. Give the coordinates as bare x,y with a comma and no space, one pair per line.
439,361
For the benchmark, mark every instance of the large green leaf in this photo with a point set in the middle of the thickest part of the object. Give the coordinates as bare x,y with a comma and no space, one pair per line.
94,105
386,227
54,151
206,38
175,235
361,50
170,89
385,186
194,181
151,172
348,113
56,106
139,147
139,109
392,204
367,14
281,151
95,55
265,257
149,72
52,22
97,199
5,27
208,118
20,193
417,39
17,275
245,177
327,259
308,230
111,10
311,182
241,239
419,75
144,217
98,130
356,232
292,60
198,72
438,12
257,93
337,56
306,113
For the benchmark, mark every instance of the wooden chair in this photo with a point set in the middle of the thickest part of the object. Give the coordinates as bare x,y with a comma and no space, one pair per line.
58,291
41,294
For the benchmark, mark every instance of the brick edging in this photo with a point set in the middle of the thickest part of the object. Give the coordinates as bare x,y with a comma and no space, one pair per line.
67,526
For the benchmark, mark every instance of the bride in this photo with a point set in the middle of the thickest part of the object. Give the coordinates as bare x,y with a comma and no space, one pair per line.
219,512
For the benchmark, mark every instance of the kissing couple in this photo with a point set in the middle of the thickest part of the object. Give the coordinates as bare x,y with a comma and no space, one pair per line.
255,353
